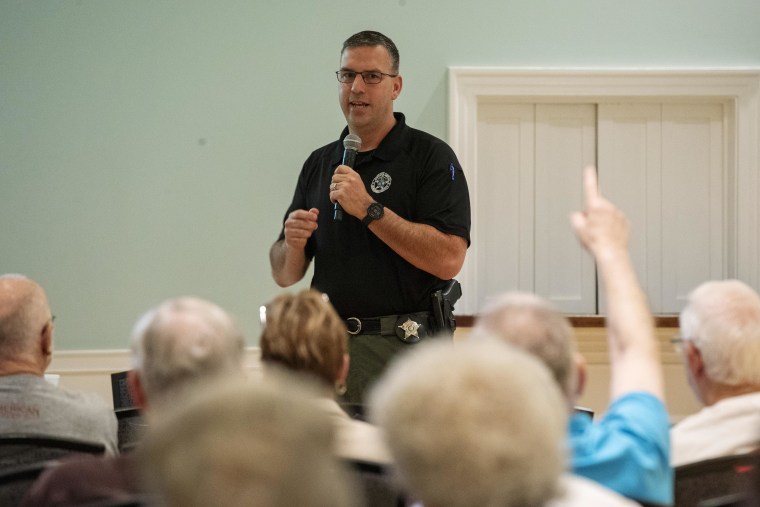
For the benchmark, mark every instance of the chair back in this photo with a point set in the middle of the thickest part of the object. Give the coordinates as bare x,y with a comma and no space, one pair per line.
719,478
376,484
24,449
15,481
131,422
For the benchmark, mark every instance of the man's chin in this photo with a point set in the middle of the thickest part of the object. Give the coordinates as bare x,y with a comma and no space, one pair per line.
357,120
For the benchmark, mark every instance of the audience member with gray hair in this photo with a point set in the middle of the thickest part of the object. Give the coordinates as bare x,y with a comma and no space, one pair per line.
529,322
179,343
176,346
628,449
475,424
259,444
479,424
720,333
28,403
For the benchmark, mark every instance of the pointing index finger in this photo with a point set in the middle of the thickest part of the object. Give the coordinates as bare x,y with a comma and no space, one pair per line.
590,184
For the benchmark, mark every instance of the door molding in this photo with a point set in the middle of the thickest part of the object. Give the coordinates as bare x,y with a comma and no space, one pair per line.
740,88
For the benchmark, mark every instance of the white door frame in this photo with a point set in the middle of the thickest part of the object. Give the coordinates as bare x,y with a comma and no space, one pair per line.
739,87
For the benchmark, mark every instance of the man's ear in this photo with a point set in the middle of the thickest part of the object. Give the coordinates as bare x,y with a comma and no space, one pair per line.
397,85
579,363
46,341
343,373
694,360
136,391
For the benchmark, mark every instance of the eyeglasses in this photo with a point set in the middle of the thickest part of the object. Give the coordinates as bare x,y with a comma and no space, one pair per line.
369,76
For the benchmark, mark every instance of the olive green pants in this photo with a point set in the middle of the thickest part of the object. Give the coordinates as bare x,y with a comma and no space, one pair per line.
370,354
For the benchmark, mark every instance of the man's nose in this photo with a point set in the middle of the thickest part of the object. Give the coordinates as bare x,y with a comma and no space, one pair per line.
358,85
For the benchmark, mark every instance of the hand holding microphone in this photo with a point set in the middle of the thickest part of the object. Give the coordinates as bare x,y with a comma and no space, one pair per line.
351,145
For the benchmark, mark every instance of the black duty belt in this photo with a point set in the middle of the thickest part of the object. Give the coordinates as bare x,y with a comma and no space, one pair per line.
408,327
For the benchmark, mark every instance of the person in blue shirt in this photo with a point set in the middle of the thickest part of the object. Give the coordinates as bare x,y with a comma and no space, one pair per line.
628,448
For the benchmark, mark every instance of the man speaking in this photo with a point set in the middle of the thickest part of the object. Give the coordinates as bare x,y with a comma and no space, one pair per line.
387,234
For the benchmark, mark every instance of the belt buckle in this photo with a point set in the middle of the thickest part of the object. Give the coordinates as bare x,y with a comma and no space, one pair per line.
358,326
409,328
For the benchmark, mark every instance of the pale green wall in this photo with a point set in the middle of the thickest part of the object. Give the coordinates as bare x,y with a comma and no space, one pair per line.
149,148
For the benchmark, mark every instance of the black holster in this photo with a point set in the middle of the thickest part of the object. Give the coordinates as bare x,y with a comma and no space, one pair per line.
443,307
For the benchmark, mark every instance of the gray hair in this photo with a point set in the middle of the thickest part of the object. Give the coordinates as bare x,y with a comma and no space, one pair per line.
261,444
182,340
24,311
473,424
529,322
722,319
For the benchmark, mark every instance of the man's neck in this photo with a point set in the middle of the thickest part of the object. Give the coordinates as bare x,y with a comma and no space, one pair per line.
372,137
19,367
718,392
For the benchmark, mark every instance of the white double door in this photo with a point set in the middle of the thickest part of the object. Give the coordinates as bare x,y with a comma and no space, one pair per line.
665,164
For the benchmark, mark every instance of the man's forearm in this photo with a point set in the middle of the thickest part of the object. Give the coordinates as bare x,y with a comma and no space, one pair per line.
634,351
288,264
423,246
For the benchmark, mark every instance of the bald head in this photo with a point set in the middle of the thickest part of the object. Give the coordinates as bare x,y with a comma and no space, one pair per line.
184,340
24,319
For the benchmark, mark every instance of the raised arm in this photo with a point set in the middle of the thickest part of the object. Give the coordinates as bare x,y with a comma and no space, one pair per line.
634,353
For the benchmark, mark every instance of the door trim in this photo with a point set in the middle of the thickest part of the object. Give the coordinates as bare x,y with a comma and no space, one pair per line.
739,87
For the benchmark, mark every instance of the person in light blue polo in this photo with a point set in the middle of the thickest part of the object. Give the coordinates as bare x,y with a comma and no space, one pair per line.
628,448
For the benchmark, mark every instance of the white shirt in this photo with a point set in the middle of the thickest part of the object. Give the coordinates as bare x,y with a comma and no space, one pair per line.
356,439
731,426
577,491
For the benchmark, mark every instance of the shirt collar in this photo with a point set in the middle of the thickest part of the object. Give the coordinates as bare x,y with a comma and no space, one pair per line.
389,147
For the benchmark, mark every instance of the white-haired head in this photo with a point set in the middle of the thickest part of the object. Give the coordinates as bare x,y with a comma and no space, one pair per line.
473,424
722,319
183,340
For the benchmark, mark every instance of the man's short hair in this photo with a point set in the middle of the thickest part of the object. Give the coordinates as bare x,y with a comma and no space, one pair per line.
529,322
182,340
481,423
372,38
722,319
304,333
266,443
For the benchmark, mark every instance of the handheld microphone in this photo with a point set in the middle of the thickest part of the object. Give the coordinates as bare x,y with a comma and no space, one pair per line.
351,144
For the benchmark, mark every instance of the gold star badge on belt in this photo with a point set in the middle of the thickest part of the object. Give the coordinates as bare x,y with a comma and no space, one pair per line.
410,328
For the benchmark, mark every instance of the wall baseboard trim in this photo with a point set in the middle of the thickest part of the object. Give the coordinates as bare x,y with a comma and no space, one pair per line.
90,370
78,362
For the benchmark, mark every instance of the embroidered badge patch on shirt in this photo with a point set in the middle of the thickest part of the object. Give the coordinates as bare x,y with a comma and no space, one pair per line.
381,183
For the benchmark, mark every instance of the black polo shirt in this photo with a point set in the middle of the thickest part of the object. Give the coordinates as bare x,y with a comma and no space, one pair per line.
412,173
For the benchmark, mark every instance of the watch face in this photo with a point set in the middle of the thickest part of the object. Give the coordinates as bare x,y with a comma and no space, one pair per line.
375,211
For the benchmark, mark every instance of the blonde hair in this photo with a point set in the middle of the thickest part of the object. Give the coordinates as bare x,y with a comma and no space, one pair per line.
304,333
